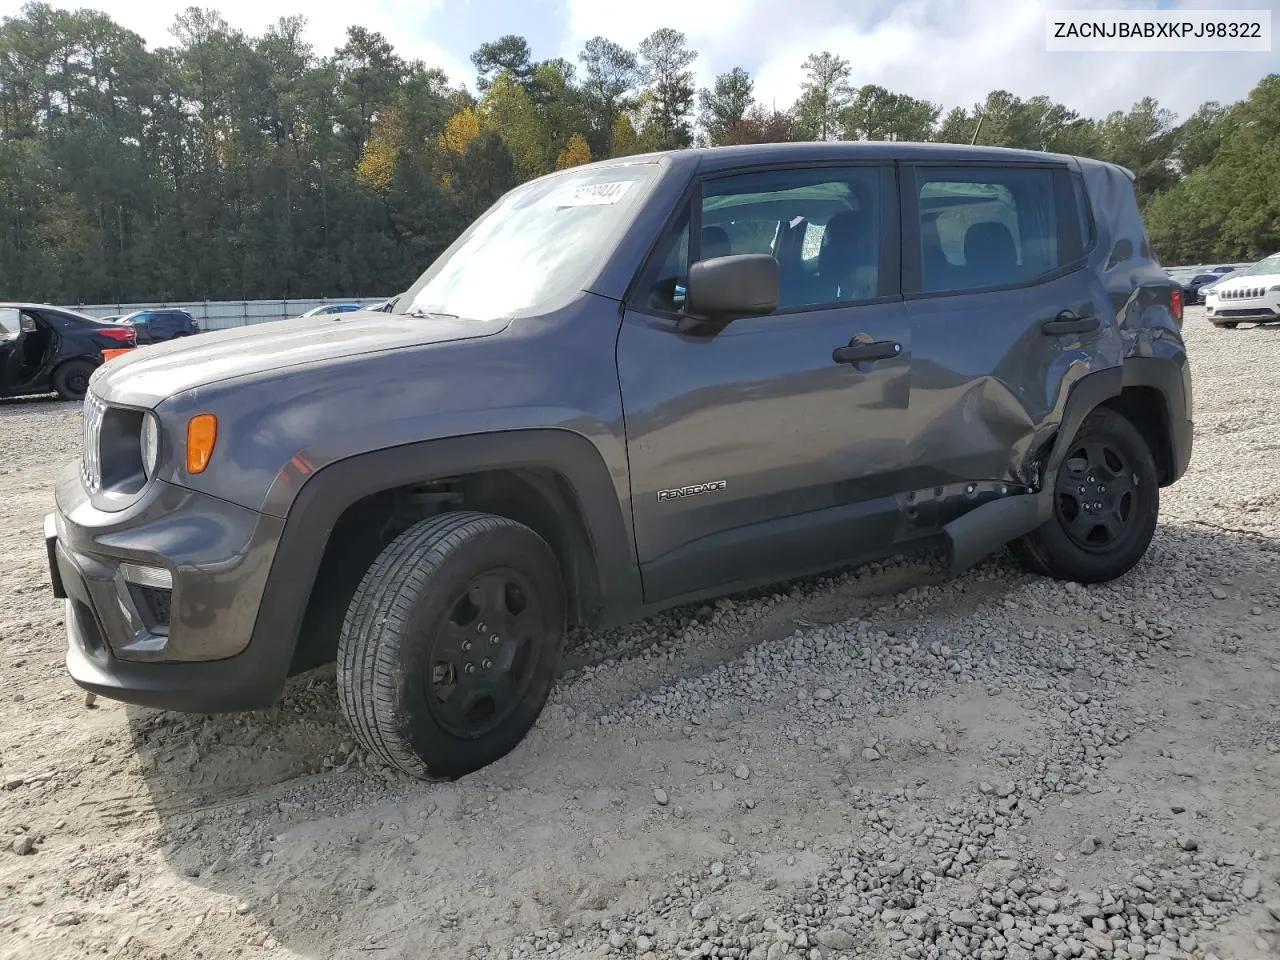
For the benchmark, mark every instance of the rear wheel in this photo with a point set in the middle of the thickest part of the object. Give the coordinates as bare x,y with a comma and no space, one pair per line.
1106,503
71,380
451,643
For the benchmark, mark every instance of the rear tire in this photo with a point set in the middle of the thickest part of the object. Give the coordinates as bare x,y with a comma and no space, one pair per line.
71,380
1106,504
451,644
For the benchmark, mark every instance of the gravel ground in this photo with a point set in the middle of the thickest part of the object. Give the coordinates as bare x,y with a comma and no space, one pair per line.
887,763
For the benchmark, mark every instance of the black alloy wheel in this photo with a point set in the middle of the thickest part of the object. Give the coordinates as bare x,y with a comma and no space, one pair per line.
482,656
1095,495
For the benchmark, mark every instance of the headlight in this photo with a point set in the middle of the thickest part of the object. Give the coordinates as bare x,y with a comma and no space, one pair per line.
150,444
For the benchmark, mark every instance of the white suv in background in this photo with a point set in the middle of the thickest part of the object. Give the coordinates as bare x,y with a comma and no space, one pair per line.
1250,296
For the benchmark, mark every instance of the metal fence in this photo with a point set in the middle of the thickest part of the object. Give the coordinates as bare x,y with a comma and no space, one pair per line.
222,314
1208,267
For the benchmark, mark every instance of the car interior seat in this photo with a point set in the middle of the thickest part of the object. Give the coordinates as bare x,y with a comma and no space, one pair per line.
715,243
989,254
844,254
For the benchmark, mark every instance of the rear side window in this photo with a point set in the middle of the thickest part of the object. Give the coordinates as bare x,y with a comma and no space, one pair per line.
985,227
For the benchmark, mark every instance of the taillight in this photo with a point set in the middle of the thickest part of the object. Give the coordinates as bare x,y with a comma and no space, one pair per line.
1175,303
123,334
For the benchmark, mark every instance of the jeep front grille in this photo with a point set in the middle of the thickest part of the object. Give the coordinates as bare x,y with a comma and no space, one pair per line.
1245,293
91,454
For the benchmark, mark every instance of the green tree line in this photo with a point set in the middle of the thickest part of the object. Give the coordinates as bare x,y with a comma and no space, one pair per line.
230,166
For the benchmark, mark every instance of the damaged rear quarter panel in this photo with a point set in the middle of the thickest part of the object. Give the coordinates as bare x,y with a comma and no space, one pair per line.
990,389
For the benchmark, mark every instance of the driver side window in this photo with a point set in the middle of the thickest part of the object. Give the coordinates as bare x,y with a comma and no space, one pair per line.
667,287
822,225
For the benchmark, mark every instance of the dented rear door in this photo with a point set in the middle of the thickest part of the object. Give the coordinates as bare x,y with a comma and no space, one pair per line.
1005,315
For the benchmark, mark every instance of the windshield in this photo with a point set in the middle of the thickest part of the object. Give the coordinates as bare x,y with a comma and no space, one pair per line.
534,249
1262,268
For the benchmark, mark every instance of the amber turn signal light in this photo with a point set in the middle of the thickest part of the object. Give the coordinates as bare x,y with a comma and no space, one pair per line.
202,434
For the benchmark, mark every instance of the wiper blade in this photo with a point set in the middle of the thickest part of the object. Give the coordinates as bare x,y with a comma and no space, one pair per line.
431,313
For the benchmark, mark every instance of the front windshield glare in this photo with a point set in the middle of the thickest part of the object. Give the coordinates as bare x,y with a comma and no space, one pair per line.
536,248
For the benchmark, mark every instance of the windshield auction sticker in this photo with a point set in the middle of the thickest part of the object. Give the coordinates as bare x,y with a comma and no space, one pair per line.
595,194
1156,31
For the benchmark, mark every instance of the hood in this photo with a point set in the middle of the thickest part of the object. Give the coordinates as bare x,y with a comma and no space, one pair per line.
147,375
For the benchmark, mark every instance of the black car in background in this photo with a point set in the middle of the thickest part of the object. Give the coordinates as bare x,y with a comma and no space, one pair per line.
1191,288
45,349
160,324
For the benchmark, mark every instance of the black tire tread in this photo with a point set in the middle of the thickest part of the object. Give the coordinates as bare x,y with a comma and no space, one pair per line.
376,621
61,373
1032,550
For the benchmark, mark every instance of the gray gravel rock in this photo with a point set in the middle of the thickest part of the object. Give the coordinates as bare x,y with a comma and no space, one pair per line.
836,939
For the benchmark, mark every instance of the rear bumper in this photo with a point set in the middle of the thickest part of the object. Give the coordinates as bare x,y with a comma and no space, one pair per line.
1181,440
192,647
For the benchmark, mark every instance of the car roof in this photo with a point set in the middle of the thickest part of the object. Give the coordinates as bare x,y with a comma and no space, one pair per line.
32,305
816,151
29,305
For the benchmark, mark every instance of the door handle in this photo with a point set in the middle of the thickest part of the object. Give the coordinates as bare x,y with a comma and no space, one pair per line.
859,351
1068,321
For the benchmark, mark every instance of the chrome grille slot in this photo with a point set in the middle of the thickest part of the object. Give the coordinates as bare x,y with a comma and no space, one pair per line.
91,454
1244,293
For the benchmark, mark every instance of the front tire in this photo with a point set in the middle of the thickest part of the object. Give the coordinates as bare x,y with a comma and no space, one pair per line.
1106,504
451,644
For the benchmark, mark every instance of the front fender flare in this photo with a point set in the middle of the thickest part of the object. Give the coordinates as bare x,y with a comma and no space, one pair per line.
325,495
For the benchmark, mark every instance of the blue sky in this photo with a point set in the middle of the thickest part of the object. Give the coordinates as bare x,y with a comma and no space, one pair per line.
948,51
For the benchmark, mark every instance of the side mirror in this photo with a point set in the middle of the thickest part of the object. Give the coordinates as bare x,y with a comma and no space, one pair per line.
723,288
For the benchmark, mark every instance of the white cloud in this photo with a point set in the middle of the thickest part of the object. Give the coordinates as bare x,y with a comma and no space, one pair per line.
952,52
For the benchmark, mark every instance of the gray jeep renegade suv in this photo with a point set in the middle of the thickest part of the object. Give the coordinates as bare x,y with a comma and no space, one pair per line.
626,386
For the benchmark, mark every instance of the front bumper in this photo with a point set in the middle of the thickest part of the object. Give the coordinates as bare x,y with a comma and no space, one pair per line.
1235,307
190,648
